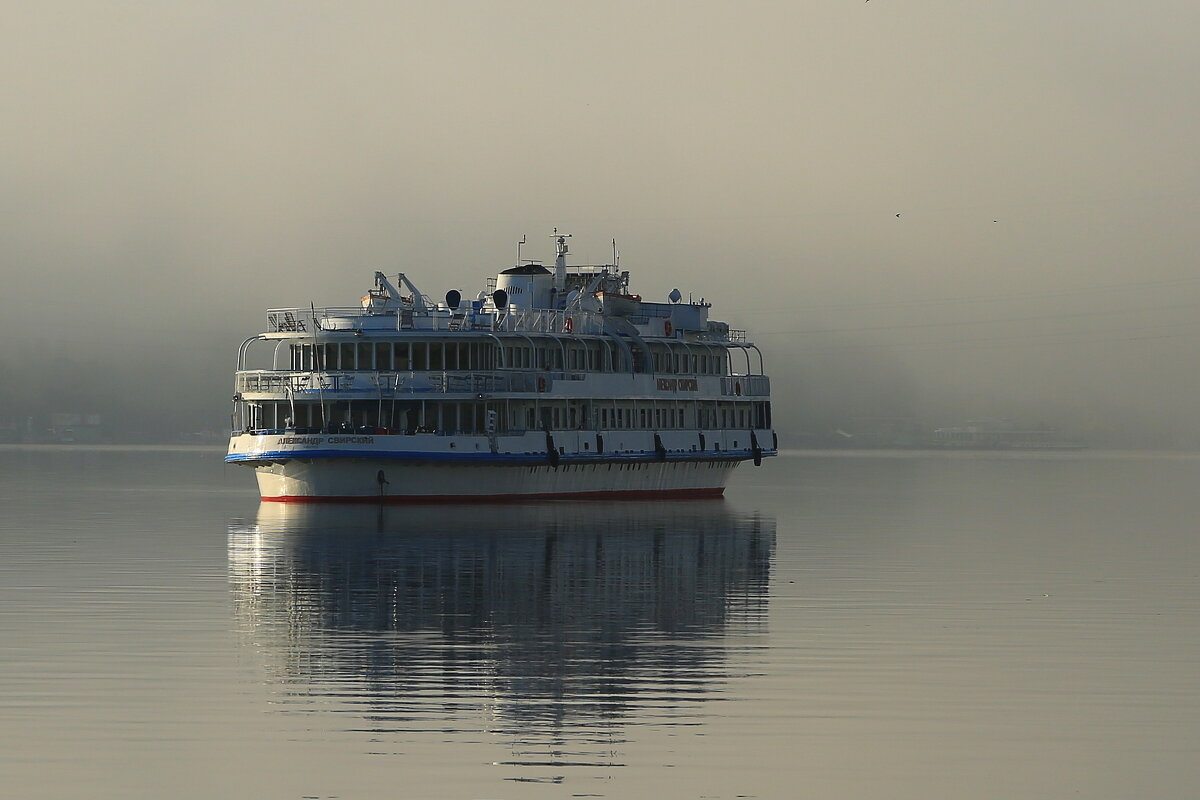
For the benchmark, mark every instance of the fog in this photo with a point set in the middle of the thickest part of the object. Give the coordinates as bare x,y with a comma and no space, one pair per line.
919,210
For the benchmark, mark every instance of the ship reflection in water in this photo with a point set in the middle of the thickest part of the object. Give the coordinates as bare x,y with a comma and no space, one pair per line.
546,624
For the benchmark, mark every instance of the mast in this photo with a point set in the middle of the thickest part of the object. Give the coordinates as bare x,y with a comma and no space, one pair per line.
560,263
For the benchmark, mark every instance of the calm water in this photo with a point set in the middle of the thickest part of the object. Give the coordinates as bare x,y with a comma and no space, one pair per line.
840,626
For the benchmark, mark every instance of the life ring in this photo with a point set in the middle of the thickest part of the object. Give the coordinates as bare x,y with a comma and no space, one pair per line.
542,384
666,327
737,388
569,325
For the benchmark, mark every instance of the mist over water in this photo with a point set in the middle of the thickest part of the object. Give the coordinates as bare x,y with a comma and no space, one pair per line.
920,211
925,214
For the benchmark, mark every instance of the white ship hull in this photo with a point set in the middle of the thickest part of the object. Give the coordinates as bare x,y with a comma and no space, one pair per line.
360,480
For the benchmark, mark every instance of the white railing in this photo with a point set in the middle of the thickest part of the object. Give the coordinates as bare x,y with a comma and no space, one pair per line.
384,383
746,386
288,320
542,320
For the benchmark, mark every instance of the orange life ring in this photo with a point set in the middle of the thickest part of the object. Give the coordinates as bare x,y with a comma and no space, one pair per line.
542,384
666,327
569,325
737,388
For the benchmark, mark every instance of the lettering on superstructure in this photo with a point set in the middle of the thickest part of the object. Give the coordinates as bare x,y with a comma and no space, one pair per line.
315,441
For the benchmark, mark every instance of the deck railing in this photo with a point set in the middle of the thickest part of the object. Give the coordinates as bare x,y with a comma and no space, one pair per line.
290,320
746,386
332,318
392,383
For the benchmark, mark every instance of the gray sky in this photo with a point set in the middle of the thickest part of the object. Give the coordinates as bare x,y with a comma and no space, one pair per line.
172,169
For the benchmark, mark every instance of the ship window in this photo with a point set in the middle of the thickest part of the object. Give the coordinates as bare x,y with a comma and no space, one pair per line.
420,356
383,356
402,360
366,356
436,361
347,356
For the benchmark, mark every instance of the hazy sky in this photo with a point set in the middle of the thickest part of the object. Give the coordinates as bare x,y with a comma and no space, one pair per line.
172,169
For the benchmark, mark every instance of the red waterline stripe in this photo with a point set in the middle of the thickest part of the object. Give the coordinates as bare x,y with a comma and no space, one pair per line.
643,494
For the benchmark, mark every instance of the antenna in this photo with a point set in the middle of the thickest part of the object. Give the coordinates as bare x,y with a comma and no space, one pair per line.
616,255
519,249
561,241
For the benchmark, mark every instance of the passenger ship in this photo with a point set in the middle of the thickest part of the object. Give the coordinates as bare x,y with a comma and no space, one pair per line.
549,384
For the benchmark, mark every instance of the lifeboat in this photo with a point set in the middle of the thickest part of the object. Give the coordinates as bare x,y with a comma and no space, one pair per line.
613,304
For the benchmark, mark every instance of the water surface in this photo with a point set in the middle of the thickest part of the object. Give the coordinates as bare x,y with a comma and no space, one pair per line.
841,625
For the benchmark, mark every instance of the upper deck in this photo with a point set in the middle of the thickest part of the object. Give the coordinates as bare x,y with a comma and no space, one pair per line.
525,299
653,320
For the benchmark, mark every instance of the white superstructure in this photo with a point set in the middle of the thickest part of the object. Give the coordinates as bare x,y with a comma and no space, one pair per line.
549,383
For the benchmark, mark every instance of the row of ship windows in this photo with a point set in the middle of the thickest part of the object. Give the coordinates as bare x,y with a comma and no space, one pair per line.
505,416
596,356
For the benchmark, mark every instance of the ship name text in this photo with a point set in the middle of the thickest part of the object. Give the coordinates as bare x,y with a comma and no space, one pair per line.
315,441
